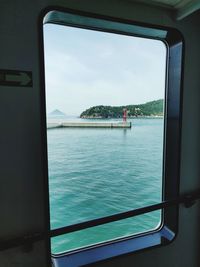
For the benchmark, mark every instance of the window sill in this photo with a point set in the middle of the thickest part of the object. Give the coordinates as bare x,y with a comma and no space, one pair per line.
112,249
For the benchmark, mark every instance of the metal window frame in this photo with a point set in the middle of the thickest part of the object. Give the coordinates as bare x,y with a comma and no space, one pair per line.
173,110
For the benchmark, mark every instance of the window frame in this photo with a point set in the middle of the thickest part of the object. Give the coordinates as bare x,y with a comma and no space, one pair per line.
174,42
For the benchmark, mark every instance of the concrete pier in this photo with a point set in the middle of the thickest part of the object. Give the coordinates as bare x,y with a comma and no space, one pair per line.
89,125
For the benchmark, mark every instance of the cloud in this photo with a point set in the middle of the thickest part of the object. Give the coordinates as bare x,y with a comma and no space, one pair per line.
85,68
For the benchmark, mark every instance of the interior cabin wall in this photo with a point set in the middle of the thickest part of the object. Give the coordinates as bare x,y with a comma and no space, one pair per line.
22,197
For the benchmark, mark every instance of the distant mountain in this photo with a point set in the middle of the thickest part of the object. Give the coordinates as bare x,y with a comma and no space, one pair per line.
153,108
56,113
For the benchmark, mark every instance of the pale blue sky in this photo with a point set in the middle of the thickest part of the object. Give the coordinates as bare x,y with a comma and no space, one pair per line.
85,68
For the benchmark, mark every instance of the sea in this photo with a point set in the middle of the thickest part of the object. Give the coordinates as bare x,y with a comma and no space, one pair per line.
96,172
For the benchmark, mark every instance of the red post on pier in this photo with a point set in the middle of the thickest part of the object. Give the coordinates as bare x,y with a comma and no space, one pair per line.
124,115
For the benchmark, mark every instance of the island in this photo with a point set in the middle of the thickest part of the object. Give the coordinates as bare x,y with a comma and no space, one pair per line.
149,109
56,113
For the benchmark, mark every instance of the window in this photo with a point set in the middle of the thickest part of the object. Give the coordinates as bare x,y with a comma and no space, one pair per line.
111,116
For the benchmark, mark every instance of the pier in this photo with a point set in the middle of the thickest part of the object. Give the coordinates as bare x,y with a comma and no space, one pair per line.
110,125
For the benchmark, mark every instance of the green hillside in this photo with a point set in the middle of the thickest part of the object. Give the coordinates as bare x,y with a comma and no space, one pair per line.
153,108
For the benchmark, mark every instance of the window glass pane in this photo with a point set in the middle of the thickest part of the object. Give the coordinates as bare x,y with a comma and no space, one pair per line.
103,80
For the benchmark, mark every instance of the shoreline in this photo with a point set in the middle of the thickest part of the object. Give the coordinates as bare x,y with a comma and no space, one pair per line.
128,118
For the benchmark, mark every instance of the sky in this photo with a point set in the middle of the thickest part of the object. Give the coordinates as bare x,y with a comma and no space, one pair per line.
85,68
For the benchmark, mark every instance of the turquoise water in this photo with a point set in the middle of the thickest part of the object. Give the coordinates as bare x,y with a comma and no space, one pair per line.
99,172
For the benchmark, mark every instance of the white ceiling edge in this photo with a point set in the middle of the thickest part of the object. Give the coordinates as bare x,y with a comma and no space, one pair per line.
181,10
186,10
182,3
155,3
